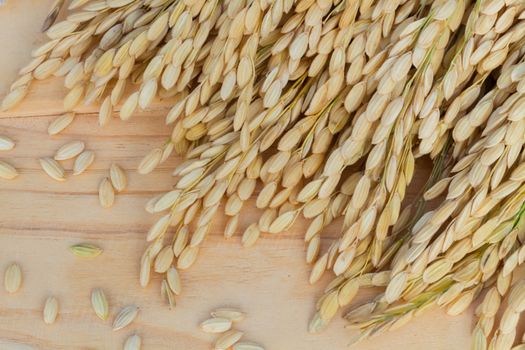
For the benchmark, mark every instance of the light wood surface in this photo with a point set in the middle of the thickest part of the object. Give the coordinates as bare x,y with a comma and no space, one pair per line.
40,218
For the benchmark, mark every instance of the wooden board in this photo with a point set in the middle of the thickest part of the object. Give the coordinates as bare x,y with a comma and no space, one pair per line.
40,218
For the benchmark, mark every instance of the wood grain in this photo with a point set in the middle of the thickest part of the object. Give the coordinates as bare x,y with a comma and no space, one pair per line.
40,218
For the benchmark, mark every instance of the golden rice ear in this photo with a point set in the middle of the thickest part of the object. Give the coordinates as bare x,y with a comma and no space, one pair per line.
327,111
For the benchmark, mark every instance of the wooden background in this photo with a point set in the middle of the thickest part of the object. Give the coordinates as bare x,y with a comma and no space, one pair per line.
40,218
